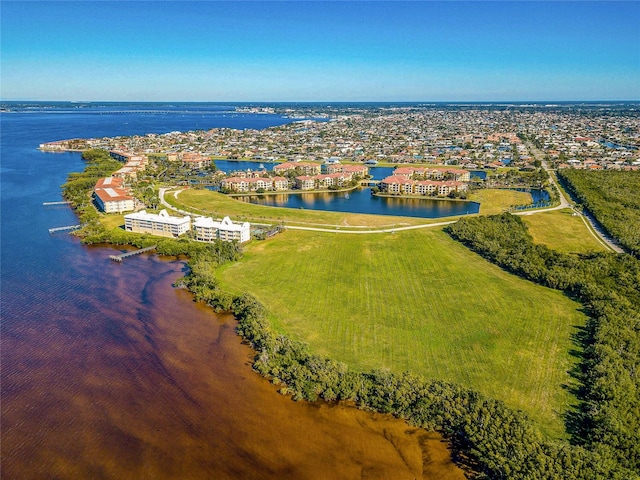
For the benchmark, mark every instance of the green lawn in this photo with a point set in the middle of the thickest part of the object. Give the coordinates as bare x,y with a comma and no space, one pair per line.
494,201
418,301
562,231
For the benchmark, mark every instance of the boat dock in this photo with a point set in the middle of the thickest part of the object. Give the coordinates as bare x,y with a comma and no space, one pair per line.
51,204
64,229
122,256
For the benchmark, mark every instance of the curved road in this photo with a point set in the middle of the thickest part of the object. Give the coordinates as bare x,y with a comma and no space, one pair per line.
588,220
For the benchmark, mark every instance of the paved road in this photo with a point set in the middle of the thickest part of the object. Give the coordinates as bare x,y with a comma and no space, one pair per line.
163,202
588,219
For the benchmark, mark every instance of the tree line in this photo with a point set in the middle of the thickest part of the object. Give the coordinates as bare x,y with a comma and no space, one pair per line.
607,421
612,197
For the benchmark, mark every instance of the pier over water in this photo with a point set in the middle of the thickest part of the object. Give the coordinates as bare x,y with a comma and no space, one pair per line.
121,257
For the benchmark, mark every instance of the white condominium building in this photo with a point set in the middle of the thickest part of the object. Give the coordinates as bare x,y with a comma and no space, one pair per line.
208,230
161,224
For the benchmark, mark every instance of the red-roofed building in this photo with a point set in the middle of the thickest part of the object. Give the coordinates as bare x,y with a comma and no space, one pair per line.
112,199
305,182
280,183
396,184
305,167
109,182
406,172
459,175
194,160
238,184
251,184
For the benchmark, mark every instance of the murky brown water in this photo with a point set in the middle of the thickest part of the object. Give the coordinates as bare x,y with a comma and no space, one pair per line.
118,375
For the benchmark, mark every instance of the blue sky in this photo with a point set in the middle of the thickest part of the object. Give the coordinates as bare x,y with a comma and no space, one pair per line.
320,51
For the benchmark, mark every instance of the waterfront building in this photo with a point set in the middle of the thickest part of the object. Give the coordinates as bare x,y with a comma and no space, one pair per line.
126,173
111,197
109,182
237,184
324,181
280,183
251,184
304,167
126,157
208,230
332,167
195,160
402,185
406,172
114,200
397,185
161,224
133,163
350,170
429,187
339,178
59,146
305,182
356,170
459,175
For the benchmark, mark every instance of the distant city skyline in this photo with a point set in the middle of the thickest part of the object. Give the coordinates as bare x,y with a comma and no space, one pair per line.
320,51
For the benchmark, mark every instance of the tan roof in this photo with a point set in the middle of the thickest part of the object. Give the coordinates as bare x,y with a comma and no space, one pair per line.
113,194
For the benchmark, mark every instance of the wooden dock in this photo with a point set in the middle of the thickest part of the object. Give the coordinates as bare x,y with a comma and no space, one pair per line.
122,256
64,229
51,204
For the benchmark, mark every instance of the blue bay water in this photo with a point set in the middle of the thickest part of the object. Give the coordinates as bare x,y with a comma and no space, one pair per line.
109,372
29,177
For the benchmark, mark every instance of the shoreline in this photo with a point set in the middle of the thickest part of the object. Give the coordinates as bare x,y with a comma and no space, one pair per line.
288,192
423,197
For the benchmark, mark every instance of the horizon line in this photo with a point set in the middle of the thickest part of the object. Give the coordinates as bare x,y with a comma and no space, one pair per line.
326,101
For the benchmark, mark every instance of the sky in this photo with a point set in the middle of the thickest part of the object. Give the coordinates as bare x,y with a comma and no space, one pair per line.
320,51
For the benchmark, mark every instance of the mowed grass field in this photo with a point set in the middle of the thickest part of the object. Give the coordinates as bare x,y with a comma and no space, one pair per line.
417,300
494,201
562,231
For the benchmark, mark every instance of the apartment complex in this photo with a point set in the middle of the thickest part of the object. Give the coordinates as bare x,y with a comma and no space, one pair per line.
133,163
402,185
208,230
111,197
161,224
251,184
305,167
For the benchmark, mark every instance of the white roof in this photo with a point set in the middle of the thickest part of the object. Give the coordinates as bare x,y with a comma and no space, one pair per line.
163,217
225,224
